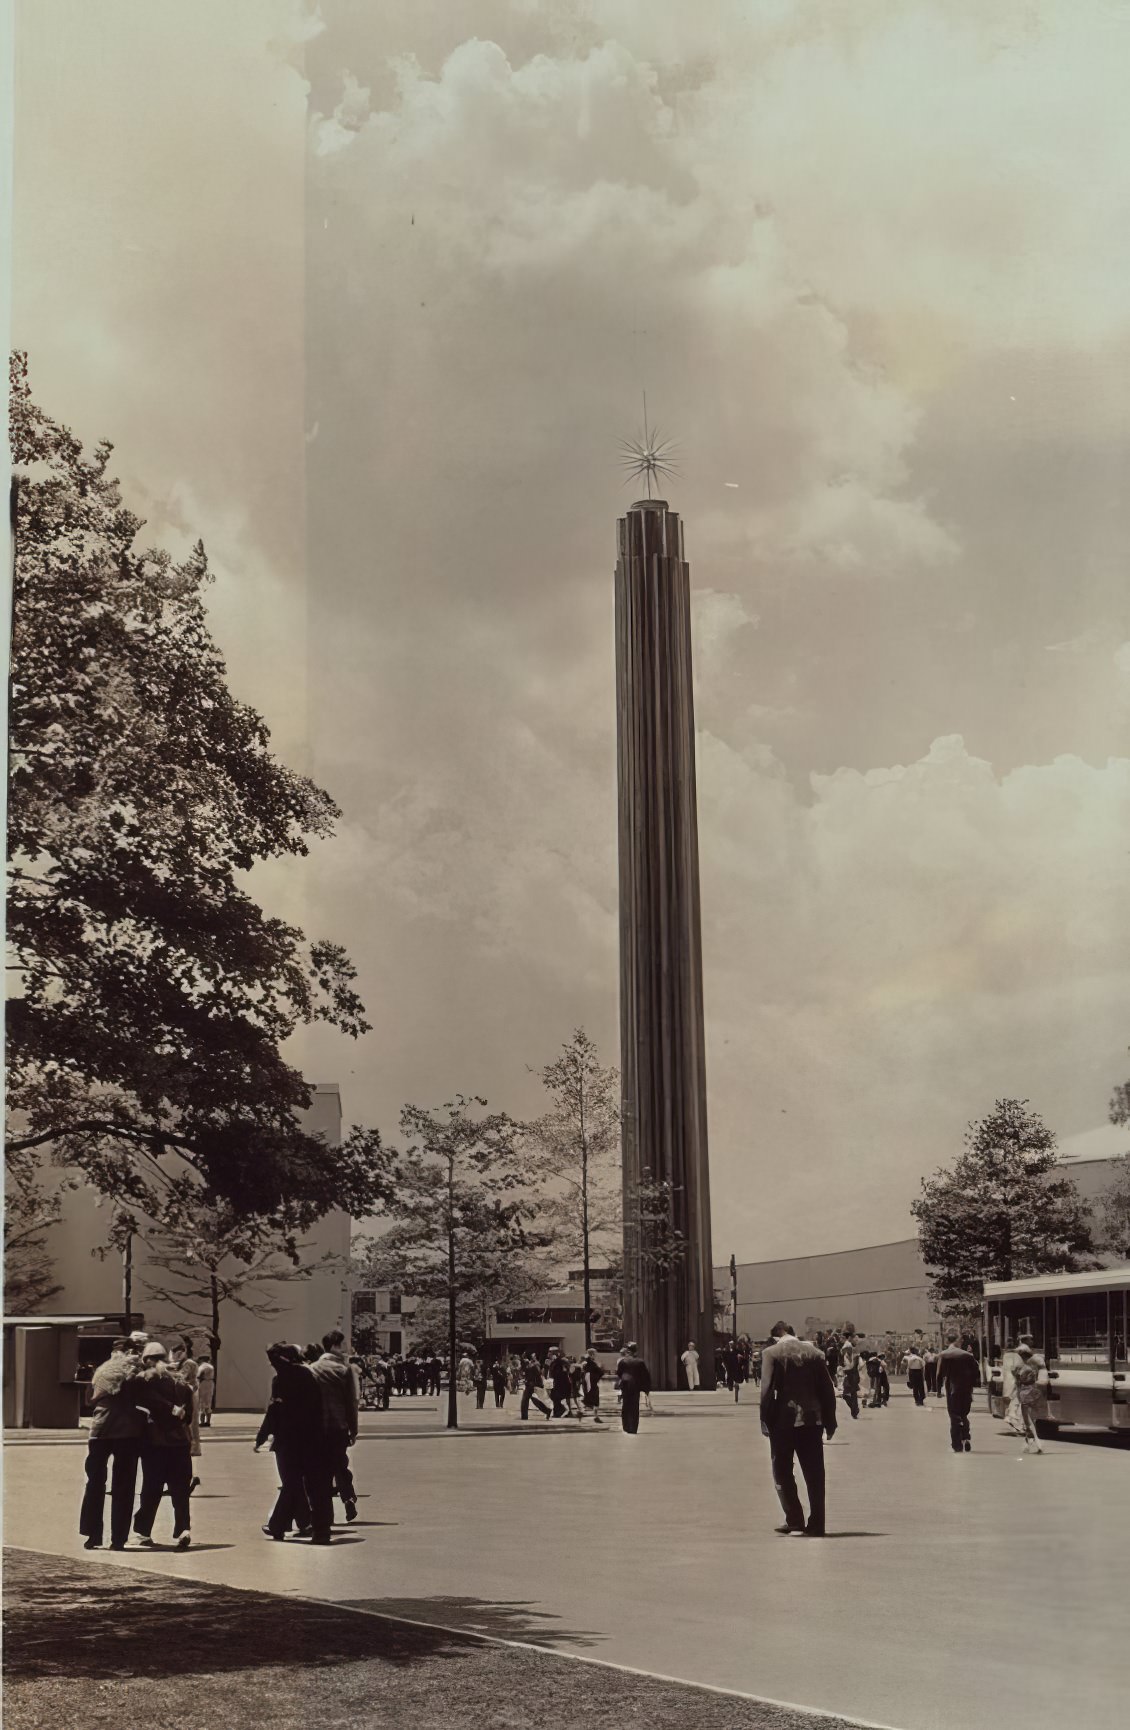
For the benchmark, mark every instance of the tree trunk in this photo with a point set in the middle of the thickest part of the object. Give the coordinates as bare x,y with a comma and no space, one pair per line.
586,1272
452,1395
127,1283
215,1293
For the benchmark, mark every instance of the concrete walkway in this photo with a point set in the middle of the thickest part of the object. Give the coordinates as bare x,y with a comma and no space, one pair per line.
952,1592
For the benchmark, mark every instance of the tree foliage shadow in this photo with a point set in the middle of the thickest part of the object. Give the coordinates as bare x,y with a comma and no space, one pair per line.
516,1620
98,1622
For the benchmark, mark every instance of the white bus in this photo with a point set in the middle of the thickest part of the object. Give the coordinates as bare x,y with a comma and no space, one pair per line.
1078,1321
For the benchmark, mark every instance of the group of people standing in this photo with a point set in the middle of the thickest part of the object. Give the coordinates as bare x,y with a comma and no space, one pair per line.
149,1404
382,1376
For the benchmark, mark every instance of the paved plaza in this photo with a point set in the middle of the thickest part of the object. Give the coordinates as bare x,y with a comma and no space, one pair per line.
952,1590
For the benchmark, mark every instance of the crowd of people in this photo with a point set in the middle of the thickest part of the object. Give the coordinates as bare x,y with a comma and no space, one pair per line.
150,1401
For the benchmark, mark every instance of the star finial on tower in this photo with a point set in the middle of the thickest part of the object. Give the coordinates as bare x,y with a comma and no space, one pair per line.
650,455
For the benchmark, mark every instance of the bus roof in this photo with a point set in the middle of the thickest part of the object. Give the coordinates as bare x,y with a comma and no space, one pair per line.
1099,1279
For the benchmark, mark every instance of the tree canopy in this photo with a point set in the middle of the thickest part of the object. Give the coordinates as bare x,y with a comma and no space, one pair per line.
151,993
575,1147
1000,1214
1114,1210
460,1205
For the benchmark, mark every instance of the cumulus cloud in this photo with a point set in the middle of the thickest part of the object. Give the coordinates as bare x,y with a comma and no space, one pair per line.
867,263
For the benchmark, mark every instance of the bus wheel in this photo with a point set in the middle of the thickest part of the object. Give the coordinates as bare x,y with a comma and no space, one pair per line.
1046,1430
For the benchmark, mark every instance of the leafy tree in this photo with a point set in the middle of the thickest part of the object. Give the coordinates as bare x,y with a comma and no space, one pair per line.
999,1214
29,1267
1114,1210
458,1223
150,993
197,1270
661,1245
576,1147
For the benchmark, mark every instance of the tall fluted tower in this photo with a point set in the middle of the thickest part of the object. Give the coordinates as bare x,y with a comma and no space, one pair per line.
668,1284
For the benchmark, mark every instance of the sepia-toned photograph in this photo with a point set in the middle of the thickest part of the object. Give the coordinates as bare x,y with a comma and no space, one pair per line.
567,1031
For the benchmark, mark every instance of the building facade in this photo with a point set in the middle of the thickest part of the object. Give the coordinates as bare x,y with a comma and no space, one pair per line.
91,1278
881,1289
384,1321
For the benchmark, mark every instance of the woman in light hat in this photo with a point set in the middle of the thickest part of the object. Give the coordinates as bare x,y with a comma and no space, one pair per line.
1026,1381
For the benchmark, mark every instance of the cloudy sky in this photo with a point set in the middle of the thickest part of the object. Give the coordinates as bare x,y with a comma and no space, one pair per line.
366,294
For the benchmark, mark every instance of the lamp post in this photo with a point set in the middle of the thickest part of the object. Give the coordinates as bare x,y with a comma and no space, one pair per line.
734,1316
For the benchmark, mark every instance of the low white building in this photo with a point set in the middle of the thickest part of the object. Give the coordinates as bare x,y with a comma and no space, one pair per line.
388,1317
91,1281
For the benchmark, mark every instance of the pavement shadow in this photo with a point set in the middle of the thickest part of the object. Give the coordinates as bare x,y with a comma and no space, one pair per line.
515,1620
86,1620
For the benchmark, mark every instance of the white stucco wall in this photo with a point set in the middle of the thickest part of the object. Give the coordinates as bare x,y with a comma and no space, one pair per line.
307,1309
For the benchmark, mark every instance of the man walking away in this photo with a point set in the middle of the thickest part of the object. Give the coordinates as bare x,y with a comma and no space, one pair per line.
339,1401
481,1378
498,1382
116,1430
560,1384
532,1380
832,1357
930,1365
690,1364
634,1380
958,1374
295,1424
798,1409
166,1449
916,1375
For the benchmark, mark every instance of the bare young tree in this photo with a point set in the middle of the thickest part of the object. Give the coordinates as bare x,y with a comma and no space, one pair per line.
198,1269
459,1205
576,1148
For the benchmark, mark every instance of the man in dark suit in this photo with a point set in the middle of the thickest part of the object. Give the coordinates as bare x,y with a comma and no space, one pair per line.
958,1374
633,1378
798,1409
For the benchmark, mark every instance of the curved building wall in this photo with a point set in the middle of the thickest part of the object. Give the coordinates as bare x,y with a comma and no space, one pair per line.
92,1284
882,1288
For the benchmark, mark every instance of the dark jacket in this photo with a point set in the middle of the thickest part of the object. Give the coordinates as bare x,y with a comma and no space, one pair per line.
560,1379
633,1376
157,1394
339,1392
116,1417
960,1370
296,1413
796,1387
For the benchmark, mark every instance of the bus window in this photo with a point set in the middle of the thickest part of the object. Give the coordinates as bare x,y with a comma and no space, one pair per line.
1019,1316
1084,1328
1119,1305
995,1344
1051,1334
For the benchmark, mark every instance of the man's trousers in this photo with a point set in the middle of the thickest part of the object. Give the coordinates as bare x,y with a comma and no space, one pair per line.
305,1489
630,1411
341,1478
164,1469
803,1442
125,1455
958,1402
